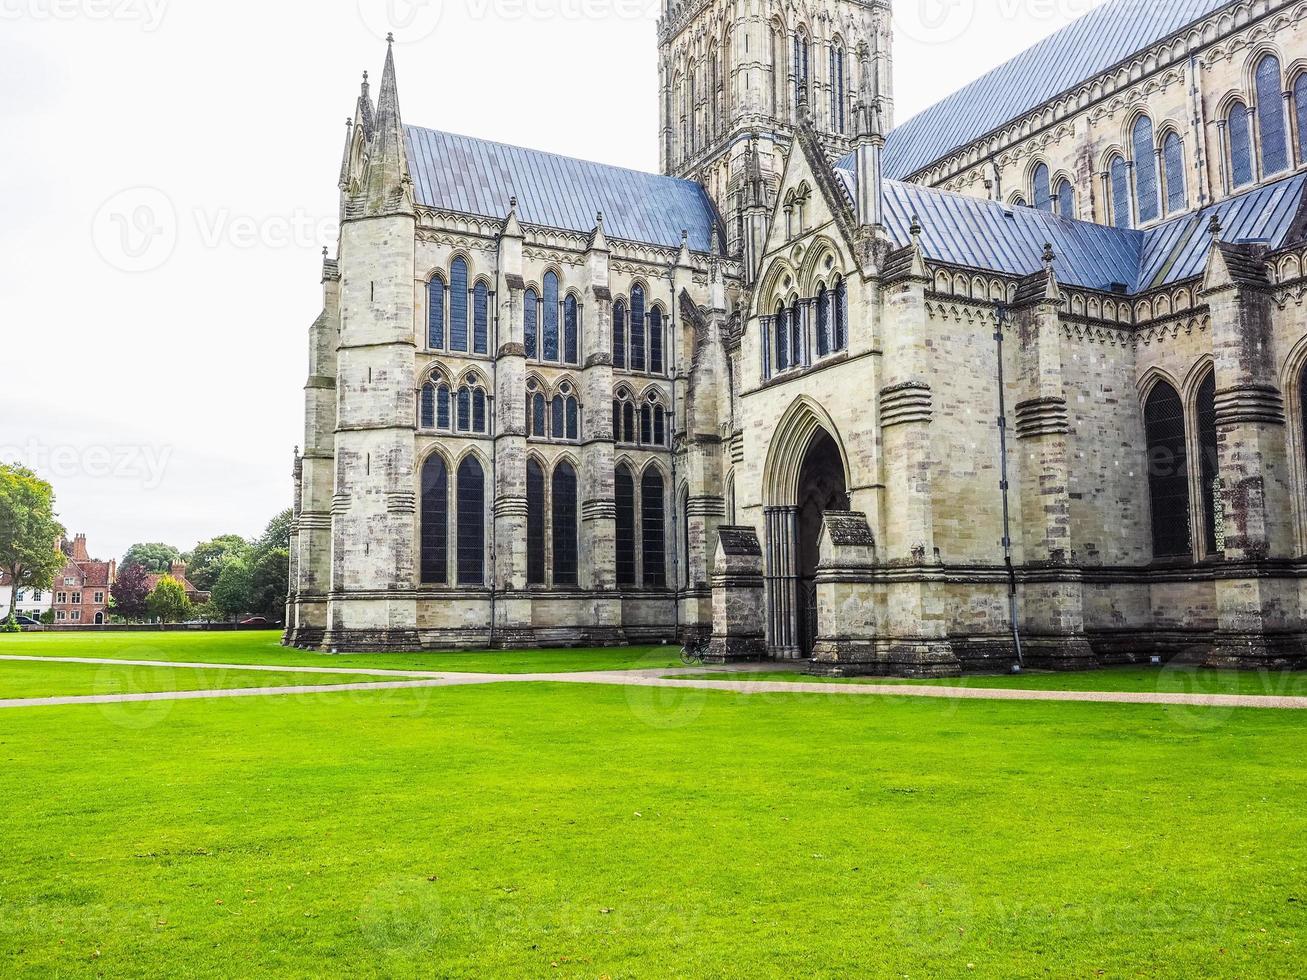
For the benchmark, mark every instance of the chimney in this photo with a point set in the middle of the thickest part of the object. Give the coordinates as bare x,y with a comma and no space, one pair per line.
79,549
178,570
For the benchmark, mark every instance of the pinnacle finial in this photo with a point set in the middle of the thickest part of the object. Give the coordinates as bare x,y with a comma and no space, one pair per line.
915,229
1214,227
324,251
365,76
1049,255
512,202
390,38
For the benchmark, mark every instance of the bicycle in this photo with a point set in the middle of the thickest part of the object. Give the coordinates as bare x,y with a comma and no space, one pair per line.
694,652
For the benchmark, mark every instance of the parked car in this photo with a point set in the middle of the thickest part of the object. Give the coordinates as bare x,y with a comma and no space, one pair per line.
255,621
28,623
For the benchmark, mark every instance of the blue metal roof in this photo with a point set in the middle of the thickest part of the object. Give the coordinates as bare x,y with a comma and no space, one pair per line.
459,173
980,234
1101,39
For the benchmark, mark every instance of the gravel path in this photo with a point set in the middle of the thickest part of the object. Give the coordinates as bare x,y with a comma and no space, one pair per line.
658,677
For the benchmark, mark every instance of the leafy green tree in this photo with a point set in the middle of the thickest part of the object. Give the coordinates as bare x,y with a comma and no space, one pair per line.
276,534
203,611
269,581
155,558
130,593
204,563
231,593
29,533
168,602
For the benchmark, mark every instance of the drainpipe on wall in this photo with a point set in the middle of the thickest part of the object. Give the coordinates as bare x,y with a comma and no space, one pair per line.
1005,487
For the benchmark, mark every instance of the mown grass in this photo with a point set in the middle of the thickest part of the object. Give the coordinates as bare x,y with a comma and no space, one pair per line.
264,648
551,829
1173,679
19,679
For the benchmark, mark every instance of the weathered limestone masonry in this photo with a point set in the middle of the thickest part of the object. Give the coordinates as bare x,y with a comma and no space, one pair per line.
811,412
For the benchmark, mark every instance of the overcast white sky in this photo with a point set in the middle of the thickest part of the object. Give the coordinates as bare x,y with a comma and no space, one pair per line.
160,391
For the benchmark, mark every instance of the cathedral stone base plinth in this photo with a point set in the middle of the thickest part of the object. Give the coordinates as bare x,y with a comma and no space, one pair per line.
1058,653
738,598
371,641
736,650
1257,651
895,658
305,638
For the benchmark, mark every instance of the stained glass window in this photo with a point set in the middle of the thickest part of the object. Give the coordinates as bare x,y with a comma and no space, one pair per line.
530,322
652,524
825,341
624,493
619,334
427,414
1241,146
471,523
535,523
1145,153
1043,189
637,328
481,319
442,407
656,340
1270,116
1066,198
573,419
1173,160
1119,177
1168,474
436,313
571,326
565,537
1209,468
550,344
556,410
464,409
479,410
458,305
1300,114
435,522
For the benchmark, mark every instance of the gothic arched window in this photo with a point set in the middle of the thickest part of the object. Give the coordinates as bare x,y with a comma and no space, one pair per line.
479,410
471,522
782,338
798,355
841,314
1043,189
1065,198
1209,468
549,346
434,542
531,323
659,426
1241,146
637,328
1177,197
436,313
481,319
442,406
565,538
656,340
556,411
628,422
535,523
1168,474
536,410
825,340
573,419
800,68
838,96
1270,116
1145,153
619,334
571,329
1300,114
427,409
646,425
652,524
465,409
624,495
458,305
1119,179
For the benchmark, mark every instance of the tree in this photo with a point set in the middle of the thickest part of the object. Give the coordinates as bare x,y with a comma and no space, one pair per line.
269,581
29,533
204,563
231,593
168,602
156,558
131,593
276,534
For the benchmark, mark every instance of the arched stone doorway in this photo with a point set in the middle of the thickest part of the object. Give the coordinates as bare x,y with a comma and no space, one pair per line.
821,489
806,476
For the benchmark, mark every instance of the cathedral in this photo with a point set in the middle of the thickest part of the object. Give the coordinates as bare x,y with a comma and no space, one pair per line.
1022,379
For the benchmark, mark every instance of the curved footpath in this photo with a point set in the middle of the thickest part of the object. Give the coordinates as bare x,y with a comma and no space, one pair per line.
659,677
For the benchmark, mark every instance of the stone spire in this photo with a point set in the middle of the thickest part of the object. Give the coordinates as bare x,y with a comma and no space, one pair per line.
345,158
364,114
512,227
598,241
388,185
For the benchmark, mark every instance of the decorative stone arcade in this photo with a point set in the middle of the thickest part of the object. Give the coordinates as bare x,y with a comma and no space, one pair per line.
808,477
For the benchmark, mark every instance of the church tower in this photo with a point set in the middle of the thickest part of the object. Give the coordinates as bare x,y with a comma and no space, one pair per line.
734,77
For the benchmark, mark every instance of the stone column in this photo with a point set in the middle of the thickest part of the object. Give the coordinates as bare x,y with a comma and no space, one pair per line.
1257,601
738,600
1052,607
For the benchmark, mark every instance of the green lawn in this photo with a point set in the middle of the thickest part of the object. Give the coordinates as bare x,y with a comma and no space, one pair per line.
20,679
551,829
265,648
1174,679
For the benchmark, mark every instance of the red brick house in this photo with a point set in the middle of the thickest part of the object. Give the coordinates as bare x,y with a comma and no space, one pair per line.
178,571
81,588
